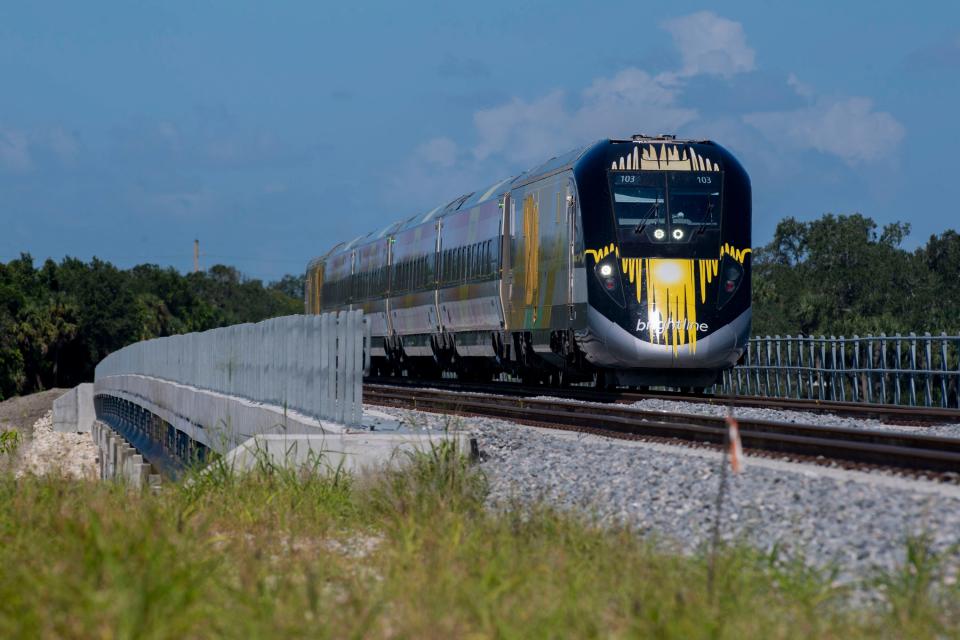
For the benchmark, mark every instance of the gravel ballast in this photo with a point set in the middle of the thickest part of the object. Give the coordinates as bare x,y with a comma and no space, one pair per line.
853,520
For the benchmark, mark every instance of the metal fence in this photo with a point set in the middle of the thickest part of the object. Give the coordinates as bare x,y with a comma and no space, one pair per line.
312,364
908,370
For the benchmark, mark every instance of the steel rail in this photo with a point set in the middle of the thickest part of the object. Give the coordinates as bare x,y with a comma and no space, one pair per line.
884,448
888,413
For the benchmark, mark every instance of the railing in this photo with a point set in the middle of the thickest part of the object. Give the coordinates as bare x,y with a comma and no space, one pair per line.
909,370
311,364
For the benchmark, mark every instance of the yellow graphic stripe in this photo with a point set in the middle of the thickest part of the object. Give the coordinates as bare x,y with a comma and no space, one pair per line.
736,254
671,290
603,252
708,271
671,303
531,233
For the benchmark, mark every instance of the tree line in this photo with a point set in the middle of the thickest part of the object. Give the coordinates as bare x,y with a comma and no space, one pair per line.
837,275
844,275
58,320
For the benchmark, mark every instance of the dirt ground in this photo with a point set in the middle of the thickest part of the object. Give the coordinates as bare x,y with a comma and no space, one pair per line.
22,412
43,450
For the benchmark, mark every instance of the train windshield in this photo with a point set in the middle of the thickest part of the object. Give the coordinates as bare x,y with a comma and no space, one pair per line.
670,213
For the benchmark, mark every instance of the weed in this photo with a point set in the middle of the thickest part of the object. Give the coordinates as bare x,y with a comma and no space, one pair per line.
9,442
407,552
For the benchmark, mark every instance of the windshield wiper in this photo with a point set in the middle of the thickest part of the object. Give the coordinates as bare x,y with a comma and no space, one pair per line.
703,225
654,208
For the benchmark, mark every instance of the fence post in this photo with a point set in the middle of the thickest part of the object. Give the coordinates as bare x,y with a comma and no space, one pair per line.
883,368
789,366
857,389
944,367
913,369
779,367
897,369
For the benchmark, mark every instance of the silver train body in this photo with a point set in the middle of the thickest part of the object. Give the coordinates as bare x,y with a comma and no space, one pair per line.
625,262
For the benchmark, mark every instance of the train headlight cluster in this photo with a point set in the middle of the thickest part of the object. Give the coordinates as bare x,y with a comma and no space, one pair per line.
607,274
732,276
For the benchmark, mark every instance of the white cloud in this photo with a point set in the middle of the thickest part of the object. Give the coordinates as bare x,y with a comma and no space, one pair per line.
523,130
15,151
616,106
63,144
37,149
441,152
529,131
709,44
801,88
847,127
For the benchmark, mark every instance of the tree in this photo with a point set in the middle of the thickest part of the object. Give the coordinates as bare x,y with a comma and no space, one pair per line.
838,275
57,322
291,286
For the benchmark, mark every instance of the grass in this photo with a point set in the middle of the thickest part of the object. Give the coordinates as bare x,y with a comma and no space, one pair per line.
406,553
9,442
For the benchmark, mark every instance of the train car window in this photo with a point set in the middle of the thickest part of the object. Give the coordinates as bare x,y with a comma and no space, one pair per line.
639,203
667,213
694,201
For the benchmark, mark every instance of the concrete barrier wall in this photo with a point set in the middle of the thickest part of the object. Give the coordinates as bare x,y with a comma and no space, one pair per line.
248,433
216,420
73,411
310,364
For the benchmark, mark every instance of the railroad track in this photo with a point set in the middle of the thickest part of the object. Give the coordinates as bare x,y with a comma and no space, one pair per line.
854,446
887,413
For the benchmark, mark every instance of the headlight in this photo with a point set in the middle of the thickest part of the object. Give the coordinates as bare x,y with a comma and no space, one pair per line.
659,234
732,276
606,273
678,234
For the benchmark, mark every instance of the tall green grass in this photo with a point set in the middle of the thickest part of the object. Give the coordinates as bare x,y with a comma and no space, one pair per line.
405,553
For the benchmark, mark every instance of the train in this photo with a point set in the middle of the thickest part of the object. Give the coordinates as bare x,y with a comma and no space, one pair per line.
625,262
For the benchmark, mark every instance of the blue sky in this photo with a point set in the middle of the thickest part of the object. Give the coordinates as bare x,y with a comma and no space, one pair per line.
271,130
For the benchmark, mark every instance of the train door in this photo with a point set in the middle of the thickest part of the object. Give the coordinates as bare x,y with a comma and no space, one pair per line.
523,278
438,270
506,264
389,285
570,205
552,296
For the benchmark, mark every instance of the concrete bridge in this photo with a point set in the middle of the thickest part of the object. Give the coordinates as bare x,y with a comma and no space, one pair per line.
287,389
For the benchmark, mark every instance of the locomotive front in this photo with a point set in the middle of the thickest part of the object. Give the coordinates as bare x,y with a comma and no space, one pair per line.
666,233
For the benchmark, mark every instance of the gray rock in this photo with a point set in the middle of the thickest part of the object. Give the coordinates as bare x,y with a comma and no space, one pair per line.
829,516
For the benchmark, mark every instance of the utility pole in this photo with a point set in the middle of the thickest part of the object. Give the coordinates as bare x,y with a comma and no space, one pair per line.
196,256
